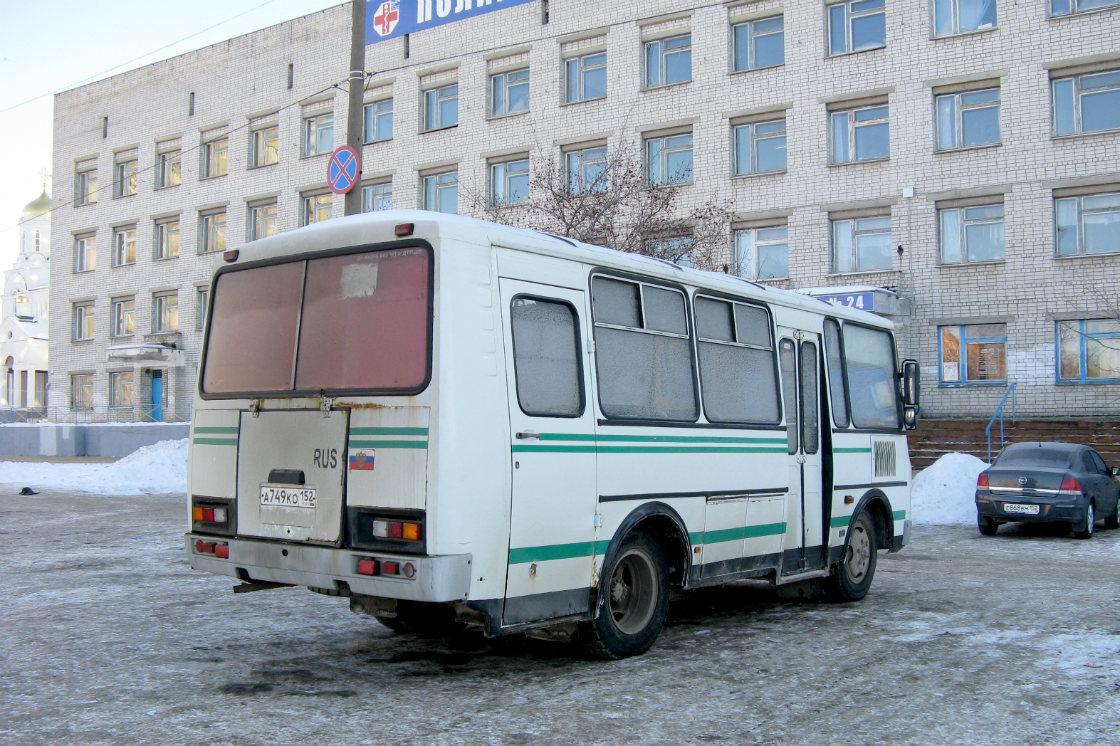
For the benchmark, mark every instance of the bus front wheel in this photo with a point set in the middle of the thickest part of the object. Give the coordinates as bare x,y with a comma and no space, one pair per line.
633,600
851,577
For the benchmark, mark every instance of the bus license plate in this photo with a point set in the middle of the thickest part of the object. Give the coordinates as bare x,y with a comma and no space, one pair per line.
288,497
1020,508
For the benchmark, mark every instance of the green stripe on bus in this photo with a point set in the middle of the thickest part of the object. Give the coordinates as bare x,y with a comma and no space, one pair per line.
656,438
737,534
418,444
522,555
216,430
420,431
844,520
851,450
641,449
215,441
899,515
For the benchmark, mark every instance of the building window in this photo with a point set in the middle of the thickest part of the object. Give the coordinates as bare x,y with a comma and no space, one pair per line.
509,182
587,170
124,317
1086,103
509,93
85,185
314,208
165,313
856,25
83,321
675,249
762,253
970,234
262,220
1069,7
973,354
861,244
1089,350
669,159
669,61
124,245
586,77
968,119
121,389
125,174
377,197
264,146
81,391
1088,224
201,305
860,134
212,231
378,124
441,107
760,147
441,192
167,239
215,157
168,165
318,134
759,43
952,17
85,252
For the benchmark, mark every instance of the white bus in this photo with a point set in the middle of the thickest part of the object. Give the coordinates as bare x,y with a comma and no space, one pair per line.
449,421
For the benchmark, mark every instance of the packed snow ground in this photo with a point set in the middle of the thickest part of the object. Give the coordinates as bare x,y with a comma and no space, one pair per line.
942,493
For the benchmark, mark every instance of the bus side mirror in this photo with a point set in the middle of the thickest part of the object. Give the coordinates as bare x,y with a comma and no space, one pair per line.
911,393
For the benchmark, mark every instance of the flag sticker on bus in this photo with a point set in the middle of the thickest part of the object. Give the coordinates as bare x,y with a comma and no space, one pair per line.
361,461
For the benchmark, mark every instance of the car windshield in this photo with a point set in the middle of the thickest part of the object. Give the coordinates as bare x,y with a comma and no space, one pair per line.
1035,456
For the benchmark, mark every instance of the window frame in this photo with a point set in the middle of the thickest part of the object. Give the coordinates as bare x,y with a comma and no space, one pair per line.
501,173
313,128
81,382
1083,337
372,130
753,250
83,321
851,128
85,187
954,21
749,29
126,176
580,375
665,151
431,109
259,219
124,248
214,157
849,19
583,66
583,157
500,83
751,128
372,191
85,249
964,340
123,316
959,110
1074,10
963,223
163,311
658,48
311,207
264,139
432,180
1076,114
208,233
169,166
119,377
1079,226
166,242
855,233
201,306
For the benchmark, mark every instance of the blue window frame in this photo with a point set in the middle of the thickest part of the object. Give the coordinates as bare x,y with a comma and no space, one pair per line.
1088,351
972,355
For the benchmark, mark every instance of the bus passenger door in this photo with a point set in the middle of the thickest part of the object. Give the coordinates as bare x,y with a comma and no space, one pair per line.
798,353
552,439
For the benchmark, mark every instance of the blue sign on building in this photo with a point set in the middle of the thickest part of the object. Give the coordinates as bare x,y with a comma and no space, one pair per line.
865,301
386,19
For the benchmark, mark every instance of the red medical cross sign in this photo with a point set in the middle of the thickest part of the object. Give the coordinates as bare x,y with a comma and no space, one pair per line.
385,19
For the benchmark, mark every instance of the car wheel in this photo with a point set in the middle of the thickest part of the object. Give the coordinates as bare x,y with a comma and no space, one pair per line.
1113,521
987,526
633,600
851,577
1084,529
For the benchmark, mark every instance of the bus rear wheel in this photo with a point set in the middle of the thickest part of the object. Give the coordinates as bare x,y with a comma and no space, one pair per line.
851,577
633,600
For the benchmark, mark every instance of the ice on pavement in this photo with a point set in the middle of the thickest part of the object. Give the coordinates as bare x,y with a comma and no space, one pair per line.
945,492
156,469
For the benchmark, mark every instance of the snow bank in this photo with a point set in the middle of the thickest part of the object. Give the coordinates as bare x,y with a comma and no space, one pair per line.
155,469
946,491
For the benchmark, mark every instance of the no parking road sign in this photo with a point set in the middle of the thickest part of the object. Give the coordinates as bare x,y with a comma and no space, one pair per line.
344,169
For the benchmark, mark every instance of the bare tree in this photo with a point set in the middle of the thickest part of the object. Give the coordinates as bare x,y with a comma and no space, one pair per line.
612,203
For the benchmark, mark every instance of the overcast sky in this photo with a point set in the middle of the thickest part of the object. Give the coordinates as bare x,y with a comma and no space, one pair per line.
48,46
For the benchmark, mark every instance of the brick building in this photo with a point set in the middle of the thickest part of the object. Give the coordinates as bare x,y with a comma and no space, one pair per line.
953,163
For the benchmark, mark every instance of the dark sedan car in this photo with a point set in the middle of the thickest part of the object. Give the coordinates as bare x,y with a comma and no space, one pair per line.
1048,483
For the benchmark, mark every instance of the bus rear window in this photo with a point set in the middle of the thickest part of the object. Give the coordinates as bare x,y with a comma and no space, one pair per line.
352,322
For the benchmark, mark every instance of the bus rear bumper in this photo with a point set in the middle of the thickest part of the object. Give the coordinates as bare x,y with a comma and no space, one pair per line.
436,579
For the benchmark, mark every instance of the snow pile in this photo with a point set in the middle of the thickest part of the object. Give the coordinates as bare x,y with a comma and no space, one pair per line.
155,469
946,491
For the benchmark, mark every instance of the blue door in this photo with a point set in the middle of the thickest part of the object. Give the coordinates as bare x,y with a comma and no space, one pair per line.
157,396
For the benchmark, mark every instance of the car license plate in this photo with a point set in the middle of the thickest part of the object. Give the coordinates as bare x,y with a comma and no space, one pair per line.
1020,508
288,497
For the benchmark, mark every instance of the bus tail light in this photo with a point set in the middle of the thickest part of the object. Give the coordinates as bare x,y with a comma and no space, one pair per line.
386,568
367,567
217,548
386,529
213,515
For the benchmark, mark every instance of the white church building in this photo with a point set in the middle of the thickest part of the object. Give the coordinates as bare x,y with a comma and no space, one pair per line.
24,318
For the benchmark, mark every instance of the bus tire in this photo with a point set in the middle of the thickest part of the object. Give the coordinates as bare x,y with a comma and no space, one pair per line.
633,600
851,577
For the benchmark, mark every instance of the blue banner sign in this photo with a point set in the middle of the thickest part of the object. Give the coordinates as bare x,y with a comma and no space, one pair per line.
386,19
862,301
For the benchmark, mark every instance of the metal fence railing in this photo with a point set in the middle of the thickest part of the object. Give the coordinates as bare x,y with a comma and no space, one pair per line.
66,415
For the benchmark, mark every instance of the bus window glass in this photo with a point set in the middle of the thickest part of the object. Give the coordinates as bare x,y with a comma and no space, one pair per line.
738,382
365,322
546,358
664,310
252,333
810,437
833,356
869,355
788,357
616,302
753,325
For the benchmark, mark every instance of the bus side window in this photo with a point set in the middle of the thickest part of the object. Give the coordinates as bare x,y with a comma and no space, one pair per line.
546,359
838,392
869,360
788,357
737,370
